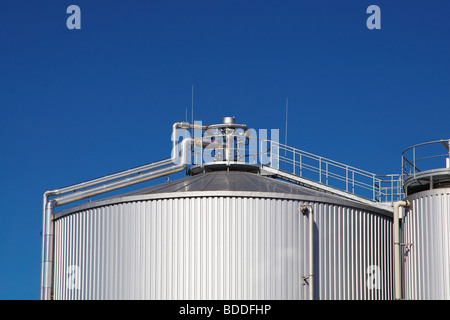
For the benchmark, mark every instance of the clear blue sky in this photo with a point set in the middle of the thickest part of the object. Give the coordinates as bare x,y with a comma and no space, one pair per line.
78,104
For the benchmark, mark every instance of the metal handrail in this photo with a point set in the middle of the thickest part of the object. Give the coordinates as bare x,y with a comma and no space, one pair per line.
353,177
409,166
380,188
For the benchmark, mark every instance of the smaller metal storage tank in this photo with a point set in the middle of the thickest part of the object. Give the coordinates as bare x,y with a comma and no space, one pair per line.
426,222
426,238
222,235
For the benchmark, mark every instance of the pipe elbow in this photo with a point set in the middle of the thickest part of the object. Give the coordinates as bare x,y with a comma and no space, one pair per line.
306,209
180,125
401,203
50,205
185,145
49,193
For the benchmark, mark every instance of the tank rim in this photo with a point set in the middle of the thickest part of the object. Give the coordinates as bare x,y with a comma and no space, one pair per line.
226,194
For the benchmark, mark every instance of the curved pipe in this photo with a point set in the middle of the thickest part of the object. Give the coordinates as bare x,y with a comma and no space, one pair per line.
307,209
110,177
49,205
186,143
396,231
175,127
174,157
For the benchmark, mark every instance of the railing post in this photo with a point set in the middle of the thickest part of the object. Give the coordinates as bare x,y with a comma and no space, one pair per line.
274,154
300,164
261,152
392,188
346,178
271,153
320,169
353,182
293,160
373,187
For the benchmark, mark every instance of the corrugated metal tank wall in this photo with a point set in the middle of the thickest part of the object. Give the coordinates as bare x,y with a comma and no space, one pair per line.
220,246
426,263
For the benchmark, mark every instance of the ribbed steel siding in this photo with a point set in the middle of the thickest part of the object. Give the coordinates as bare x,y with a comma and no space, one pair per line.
350,242
427,262
220,248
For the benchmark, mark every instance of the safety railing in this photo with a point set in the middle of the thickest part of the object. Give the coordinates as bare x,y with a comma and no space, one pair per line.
425,156
389,188
379,188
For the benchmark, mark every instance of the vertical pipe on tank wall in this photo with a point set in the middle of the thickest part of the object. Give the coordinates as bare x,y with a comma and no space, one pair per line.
47,249
396,232
308,209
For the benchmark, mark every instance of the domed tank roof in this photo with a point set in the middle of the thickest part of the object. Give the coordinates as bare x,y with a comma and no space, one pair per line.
228,181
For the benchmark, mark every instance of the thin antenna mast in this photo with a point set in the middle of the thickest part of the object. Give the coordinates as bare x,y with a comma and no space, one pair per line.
286,133
192,105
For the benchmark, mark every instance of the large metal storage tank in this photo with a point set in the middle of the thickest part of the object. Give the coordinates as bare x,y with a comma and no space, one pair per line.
426,222
222,235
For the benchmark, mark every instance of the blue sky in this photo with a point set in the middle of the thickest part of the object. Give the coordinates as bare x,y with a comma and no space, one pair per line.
79,104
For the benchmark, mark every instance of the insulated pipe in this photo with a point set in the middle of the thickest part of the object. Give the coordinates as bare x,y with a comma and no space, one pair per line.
48,206
46,218
397,273
47,250
108,177
308,209
173,159
181,125
187,142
